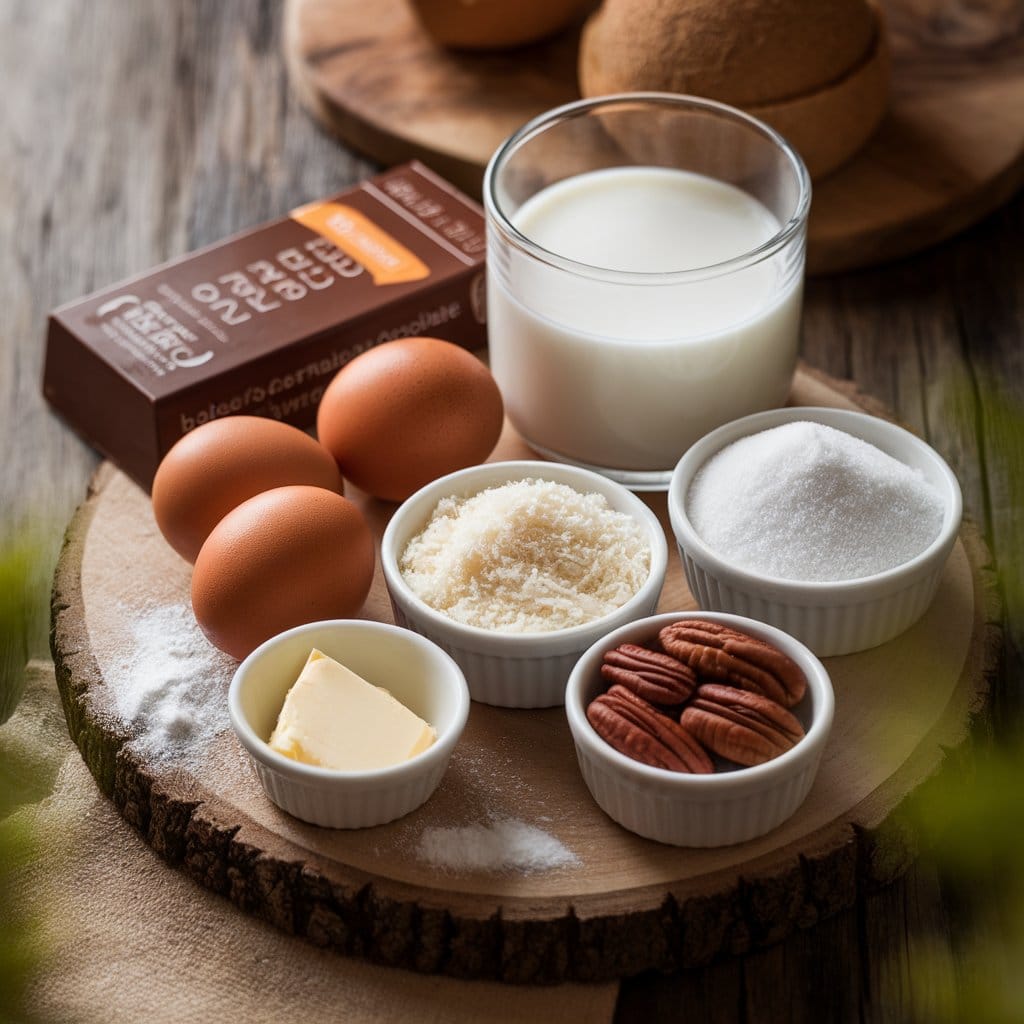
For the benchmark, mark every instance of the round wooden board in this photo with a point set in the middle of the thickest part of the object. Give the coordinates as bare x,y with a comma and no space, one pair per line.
628,904
949,151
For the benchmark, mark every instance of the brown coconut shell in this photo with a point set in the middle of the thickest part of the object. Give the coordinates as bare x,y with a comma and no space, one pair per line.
495,24
816,71
829,126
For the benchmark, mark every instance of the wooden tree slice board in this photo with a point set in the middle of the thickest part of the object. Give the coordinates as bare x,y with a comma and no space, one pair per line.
628,903
949,151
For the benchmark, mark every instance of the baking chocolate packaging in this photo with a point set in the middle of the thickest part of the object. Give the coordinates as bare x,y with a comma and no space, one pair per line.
261,322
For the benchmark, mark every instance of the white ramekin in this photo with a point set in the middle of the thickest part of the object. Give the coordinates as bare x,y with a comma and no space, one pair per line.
698,810
414,670
515,670
830,617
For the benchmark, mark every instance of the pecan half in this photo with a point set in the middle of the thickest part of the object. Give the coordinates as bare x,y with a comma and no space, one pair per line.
716,652
652,675
739,725
634,728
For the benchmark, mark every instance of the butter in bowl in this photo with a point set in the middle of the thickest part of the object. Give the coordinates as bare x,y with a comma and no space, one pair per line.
349,723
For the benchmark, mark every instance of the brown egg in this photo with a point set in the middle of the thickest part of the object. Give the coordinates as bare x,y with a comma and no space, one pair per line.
217,466
407,412
284,557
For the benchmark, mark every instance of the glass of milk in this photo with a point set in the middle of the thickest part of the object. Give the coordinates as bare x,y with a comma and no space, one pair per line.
645,259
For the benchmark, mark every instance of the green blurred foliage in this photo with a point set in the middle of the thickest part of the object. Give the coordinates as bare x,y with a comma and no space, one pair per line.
20,554
21,947
972,825
1003,428
970,818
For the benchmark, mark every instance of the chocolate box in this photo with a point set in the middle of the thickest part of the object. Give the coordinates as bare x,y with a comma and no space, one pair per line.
261,322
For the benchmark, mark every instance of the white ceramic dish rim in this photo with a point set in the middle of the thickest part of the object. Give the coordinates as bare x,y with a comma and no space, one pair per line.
492,474
733,783
821,592
439,750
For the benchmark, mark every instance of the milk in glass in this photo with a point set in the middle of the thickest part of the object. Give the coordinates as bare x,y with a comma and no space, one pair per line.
660,334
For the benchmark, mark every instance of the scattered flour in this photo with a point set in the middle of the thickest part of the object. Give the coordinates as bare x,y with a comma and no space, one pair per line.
502,845
171,685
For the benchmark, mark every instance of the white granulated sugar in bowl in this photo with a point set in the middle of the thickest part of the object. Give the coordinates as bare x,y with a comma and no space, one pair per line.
169,684
807,502
503,844
527,556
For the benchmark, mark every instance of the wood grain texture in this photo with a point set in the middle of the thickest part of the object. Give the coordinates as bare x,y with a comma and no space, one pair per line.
949,150
630,904
138,131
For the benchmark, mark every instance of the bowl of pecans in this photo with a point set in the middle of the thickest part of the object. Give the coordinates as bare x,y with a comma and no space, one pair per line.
699,728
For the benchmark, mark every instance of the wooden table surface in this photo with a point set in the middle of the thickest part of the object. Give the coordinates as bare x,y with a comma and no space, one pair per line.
134,132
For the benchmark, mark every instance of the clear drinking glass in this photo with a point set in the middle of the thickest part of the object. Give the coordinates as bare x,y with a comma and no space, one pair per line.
645,277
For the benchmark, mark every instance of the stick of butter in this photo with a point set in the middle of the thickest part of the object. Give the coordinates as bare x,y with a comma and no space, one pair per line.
334,718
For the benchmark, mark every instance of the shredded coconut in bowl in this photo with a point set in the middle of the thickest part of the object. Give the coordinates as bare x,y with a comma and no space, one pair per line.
528,556
170,685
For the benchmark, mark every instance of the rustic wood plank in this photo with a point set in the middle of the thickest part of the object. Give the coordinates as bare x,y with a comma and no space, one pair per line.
137,132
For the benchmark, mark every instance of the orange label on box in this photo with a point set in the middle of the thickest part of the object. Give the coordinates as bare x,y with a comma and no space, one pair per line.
387,260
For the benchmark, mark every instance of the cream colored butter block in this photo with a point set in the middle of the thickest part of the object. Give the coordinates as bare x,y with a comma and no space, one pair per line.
336,719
